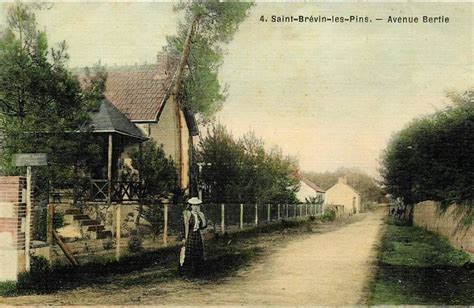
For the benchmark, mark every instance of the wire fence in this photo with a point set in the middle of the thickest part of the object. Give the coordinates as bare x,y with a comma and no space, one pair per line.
232,217
221,218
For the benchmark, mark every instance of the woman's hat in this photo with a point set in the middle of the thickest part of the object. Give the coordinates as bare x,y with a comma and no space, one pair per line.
194,200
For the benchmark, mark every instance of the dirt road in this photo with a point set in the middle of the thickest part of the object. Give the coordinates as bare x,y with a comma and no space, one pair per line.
326,269
322,269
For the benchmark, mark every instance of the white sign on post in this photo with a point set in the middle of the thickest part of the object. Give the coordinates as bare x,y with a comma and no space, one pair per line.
30,159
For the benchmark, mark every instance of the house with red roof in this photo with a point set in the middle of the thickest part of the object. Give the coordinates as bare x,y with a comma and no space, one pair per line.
143,95
139,106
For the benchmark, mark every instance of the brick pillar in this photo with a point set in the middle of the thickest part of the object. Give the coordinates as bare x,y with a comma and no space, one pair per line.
12,226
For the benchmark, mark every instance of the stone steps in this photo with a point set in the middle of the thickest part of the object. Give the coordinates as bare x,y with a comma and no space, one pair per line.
84,225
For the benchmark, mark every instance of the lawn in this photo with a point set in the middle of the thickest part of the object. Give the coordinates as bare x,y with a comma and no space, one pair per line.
418,267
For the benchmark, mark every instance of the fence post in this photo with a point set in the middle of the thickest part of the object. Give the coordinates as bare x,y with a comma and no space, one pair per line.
28,219
118,214
49,230
278,212
222,218
241,216
294,210
256,214
287,214
269,217
165,225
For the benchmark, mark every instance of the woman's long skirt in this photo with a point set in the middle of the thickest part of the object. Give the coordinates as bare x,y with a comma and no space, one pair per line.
194,253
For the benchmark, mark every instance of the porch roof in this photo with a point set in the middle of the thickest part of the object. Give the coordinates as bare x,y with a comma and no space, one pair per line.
110,120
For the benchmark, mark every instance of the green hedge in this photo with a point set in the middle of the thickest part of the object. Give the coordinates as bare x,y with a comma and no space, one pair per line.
433,157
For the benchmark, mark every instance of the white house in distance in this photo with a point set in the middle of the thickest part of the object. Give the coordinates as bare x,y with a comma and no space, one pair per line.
343,194
309,190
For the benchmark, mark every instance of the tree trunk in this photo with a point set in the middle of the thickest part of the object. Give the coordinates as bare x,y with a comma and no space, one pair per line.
176,91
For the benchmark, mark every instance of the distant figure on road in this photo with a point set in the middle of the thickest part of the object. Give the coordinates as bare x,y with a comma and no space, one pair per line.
192,253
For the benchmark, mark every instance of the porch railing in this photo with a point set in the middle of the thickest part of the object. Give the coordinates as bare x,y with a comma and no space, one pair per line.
120,191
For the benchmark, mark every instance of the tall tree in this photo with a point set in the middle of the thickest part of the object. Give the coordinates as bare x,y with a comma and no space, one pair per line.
206,25
42,105
243,171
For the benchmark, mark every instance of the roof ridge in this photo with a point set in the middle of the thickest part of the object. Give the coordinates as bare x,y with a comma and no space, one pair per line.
311,184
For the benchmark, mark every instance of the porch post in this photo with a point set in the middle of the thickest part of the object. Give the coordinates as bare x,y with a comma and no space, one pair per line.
109,170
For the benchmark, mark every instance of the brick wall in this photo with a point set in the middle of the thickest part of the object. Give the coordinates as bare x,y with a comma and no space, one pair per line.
448,224
13,208
12,217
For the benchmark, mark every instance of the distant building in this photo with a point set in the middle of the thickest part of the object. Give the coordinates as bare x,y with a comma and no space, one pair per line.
343,194
309,191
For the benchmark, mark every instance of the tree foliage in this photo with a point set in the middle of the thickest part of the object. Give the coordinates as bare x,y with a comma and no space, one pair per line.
213,23
155,172
42,106
432,158
158,179
357,179
242,171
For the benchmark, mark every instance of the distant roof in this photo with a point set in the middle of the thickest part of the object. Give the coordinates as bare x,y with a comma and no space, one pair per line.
140,93
312,185
110,120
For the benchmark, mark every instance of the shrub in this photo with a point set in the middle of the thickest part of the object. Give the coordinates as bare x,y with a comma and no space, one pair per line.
7,288
288,223
108,243
37,277
308,226
135,244
329,215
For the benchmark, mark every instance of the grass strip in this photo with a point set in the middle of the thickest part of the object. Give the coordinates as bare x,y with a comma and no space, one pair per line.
419,268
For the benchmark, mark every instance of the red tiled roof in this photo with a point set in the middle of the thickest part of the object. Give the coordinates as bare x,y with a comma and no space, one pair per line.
140,94
312,185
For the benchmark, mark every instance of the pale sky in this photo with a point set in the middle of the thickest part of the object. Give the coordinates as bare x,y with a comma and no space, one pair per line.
331,94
